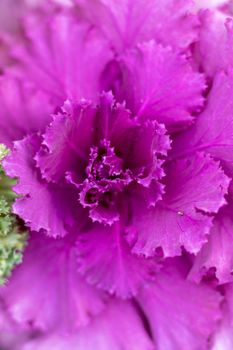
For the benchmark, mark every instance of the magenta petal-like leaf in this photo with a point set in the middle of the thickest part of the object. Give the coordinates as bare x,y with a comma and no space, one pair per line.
194,190
23,110
63,57
160,84
127,22
182,315
46,292
214,50
128,272
217,252
118,327
42,206
213,130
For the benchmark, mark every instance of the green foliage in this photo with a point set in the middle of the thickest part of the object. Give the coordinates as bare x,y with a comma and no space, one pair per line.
12,237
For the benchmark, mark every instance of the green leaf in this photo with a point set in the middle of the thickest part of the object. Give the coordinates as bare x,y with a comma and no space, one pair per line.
13,238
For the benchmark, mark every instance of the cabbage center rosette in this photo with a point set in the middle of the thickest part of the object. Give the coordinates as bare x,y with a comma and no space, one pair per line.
99,150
